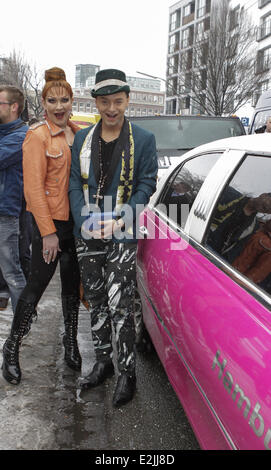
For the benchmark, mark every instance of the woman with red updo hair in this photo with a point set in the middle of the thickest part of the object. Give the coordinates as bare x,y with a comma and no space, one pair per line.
46,169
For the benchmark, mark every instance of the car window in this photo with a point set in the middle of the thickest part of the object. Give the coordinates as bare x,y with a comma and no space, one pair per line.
184,133
240,228
184,185
260,120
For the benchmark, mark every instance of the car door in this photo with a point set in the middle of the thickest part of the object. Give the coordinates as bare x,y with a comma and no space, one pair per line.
213,336
165,269
237,313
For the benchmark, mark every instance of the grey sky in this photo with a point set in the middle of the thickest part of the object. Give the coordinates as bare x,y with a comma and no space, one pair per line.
125,34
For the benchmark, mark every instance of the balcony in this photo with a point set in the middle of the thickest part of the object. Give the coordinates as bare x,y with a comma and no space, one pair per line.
188,19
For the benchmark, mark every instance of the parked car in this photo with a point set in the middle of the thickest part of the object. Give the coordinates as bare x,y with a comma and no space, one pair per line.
176,134
203,274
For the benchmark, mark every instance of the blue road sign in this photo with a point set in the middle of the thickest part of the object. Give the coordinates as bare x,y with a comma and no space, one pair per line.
245,121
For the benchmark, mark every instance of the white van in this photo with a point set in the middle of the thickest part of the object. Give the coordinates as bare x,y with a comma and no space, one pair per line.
261,113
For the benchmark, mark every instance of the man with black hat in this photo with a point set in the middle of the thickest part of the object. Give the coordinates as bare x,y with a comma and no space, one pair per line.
113,174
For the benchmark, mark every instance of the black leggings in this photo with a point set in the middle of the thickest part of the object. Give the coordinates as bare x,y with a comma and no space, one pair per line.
42,273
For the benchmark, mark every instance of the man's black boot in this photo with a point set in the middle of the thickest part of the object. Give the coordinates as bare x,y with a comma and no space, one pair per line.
101,371
70,307
11,367
125,389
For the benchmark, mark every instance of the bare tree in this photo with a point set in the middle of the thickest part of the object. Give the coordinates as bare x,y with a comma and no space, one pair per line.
18,72
217,72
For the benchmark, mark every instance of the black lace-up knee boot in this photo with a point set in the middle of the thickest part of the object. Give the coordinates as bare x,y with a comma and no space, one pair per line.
11,367
70,306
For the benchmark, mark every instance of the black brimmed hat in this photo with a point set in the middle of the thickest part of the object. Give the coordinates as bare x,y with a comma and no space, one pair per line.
108,82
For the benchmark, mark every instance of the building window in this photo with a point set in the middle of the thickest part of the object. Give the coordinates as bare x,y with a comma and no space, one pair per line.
187,10
174,43
264,29
175,20
172,85
186,60
173,64
263,60
187,37
187,102
201,55
234,18
201,8
171,106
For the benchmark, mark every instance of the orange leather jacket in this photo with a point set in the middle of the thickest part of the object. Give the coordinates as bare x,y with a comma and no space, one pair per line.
46,172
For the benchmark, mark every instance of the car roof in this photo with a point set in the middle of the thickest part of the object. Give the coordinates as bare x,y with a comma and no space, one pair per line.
253,143
248,143
182,116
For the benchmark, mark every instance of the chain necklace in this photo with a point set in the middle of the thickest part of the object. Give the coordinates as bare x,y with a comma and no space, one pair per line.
102,177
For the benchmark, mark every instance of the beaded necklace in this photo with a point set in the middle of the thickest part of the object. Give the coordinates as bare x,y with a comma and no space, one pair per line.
102,177
126,175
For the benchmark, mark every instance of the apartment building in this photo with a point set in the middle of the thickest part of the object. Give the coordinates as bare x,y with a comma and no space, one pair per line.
83,72
189,19
263,60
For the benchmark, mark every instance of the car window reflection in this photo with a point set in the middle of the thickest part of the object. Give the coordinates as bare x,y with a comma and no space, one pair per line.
240,229
182,190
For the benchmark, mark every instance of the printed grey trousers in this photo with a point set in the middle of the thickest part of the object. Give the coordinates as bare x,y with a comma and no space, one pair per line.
108,275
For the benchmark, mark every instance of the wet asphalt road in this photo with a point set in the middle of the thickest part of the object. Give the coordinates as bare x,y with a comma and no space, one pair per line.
47,411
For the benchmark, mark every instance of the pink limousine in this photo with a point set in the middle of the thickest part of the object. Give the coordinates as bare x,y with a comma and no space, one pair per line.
204,279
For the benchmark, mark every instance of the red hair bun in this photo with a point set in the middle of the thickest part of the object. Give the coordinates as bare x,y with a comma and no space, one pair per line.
55,77
54,74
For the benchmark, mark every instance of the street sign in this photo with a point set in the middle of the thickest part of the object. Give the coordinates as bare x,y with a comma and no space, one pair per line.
245,121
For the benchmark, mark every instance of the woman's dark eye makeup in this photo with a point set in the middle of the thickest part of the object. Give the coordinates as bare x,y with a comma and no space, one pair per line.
53,100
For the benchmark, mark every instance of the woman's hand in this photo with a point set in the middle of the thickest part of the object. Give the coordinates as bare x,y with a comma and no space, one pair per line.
50,247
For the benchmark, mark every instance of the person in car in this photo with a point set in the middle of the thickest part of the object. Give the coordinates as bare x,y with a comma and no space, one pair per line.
235,220
265,128
46,168
255,259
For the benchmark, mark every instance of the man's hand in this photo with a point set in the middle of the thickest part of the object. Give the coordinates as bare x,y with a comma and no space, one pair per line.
108,228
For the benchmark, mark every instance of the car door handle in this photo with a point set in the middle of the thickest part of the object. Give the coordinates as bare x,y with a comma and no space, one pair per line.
143,231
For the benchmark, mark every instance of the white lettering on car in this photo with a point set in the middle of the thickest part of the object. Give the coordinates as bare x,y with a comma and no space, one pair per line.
256,421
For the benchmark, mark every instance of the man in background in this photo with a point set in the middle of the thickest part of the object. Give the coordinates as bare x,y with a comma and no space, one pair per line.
12,134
